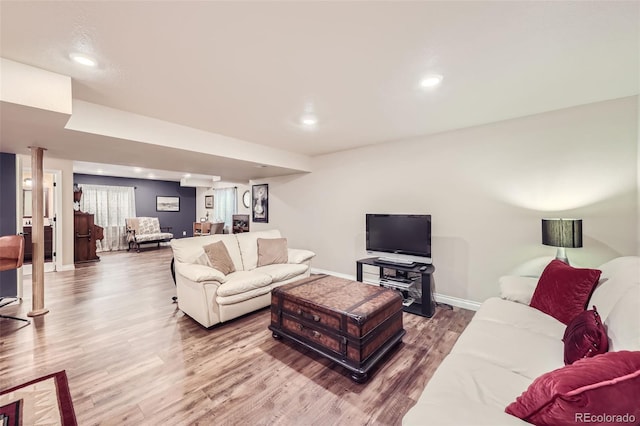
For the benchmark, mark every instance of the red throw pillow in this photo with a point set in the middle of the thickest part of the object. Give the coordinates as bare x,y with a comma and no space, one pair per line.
598,390
563,291
584,337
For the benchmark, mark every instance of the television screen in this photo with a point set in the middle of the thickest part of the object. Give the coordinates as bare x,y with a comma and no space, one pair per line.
408,234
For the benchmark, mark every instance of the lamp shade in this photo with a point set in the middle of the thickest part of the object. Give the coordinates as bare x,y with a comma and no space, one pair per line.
562,232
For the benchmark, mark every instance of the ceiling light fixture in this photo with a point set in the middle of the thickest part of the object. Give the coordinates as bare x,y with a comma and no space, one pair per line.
83,60
309,120
431,81
137,169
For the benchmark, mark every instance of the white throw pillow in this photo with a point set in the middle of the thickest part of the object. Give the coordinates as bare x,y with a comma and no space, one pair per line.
517,289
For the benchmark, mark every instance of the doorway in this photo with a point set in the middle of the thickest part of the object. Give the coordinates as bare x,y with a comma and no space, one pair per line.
50,210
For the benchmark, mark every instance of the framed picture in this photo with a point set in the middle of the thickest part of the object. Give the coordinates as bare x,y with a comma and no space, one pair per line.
208,201
167,204
260,203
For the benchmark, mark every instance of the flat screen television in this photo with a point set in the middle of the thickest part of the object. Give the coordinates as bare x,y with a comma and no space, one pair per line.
399,237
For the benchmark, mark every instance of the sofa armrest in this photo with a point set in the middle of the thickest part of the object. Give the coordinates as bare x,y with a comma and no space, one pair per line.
299,255
518,289
200,273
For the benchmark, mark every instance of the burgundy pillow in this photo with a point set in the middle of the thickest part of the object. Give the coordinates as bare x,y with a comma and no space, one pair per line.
598,390
563,291
584,337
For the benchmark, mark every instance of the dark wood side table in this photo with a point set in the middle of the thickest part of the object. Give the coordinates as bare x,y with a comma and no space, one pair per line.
428,306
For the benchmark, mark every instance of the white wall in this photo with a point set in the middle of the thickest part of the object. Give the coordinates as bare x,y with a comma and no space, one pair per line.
487,188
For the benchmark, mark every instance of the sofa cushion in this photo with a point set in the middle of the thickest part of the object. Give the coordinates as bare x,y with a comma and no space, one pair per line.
563,291
520,316
606,384
516,349
219,258
242,281
188,250
281,272
241,297
584,337
617,276
248,245
623,323
467,390
199,273
141,238
272,251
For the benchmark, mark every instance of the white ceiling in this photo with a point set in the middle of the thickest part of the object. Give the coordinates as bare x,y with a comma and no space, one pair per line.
249,70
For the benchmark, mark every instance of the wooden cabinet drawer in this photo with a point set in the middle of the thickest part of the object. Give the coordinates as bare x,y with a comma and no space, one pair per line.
311,315
311,334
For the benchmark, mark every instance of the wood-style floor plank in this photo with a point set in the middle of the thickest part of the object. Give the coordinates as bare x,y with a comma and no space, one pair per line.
133,358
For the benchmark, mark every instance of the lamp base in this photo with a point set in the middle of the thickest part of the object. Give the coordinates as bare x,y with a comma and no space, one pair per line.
562,255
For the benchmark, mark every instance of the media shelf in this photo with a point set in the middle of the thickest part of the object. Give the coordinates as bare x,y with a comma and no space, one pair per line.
404,278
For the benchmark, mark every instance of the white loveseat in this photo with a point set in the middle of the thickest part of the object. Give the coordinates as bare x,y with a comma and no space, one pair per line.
509,344
211,297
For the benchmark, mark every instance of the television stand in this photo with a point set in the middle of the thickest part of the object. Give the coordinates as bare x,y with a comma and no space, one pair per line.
402,282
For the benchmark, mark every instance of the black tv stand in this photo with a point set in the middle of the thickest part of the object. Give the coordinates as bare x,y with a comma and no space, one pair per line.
428,306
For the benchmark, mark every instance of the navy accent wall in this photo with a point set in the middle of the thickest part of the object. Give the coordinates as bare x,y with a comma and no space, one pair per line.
8,188
146,192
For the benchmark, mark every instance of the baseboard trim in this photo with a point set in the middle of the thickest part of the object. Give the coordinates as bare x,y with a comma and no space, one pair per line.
457,302
440,298
335,274
69,267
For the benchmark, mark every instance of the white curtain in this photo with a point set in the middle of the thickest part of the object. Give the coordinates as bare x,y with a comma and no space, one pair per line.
225,205
111,205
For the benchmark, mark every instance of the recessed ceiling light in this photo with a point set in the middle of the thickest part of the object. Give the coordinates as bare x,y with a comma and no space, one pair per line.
99,171
137,169
187,175
83,60
309,120
431,80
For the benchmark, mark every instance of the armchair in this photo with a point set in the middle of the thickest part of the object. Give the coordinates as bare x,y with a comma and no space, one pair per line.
146,230
11,257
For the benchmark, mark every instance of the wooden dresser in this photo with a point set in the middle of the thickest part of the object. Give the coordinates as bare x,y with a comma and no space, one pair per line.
86,233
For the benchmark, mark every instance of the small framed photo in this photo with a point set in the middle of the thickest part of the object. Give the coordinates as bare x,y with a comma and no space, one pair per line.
260,203
167,204
208,201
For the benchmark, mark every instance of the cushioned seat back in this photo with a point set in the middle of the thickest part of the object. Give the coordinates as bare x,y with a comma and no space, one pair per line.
618,275
148,225
189,250
617,298
248,243
623,322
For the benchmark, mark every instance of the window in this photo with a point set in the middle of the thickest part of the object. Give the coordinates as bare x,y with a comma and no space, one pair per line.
111,205
225,205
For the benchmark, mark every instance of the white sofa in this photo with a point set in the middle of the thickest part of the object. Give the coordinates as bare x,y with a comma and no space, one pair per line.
509,344
211,297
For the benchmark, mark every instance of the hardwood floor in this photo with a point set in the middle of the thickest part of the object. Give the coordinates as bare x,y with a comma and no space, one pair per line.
133,358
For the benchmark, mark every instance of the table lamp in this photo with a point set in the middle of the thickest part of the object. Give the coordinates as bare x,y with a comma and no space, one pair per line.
562,233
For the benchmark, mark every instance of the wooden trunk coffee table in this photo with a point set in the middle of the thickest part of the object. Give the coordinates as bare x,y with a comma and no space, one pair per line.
351,323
